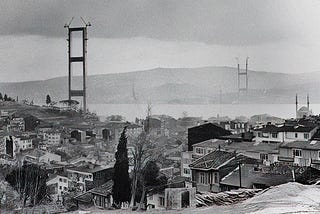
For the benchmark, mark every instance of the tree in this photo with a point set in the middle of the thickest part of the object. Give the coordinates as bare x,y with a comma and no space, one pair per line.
30,182
5,97
121,189
150,178
145,150
1,98
48,99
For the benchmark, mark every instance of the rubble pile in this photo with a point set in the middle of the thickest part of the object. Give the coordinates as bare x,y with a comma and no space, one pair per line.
225,198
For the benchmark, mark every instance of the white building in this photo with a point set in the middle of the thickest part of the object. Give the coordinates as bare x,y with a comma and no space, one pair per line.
58,183
284,133
40,156
52,137
186,159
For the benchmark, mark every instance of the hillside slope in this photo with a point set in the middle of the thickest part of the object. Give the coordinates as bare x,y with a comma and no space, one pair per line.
173,85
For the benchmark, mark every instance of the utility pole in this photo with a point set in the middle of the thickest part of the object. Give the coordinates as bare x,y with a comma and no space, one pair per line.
240,182
296,105
220,102
147,129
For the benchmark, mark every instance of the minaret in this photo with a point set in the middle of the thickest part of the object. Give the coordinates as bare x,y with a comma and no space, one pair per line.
296,105
308,103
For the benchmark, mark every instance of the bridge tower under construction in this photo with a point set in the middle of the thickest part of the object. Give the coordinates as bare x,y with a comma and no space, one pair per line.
78,58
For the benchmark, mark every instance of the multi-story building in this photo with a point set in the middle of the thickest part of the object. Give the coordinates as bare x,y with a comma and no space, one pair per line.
58,185
52,137
208,171
235,127
284,133
301,153
88,176
16,124
15,144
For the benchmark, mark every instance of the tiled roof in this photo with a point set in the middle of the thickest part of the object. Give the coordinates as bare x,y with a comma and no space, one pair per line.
309,145
104,189
286,128
250,177
87,169
213,160
212,143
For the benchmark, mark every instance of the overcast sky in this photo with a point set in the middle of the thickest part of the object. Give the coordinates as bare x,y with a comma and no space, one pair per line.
278,35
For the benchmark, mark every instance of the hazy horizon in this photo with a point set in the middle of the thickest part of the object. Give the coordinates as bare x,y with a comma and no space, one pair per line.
146,70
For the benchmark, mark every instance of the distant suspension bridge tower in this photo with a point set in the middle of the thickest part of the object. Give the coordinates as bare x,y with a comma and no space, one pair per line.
242,82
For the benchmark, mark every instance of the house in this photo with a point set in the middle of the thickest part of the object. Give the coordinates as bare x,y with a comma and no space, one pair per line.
301,153
14,144
53,137
204,132
177,194
102,195
284,133
249,176
57,184
16,124
99,197
205,147
235,126
79,135
40,156
87,176
208,170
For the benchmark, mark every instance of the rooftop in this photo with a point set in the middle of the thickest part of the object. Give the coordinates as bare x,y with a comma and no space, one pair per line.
213,160
308,145
88,168
286,128
104,189
249,177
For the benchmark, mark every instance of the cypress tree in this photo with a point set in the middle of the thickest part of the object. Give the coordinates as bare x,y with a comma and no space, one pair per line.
1,98
48,99
5,97
121,182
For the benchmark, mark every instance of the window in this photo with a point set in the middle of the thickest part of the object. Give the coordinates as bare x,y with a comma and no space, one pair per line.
259,134
65,188
264,156
319,155
161,201
203,179
186,171
296,135
199,151
216,180
265,134
306,136
274,135
297,153
99,201
60,179
60,187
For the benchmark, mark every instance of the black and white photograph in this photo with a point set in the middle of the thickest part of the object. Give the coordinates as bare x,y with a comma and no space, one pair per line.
159,106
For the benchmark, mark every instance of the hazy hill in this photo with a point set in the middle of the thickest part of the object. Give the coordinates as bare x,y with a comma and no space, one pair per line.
174,85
